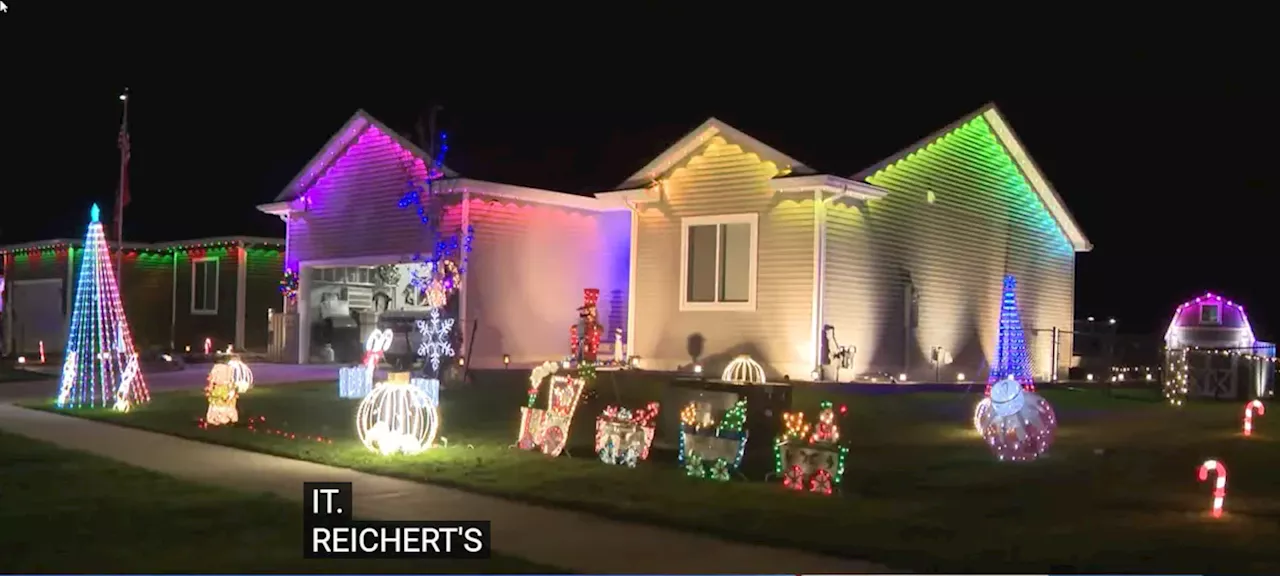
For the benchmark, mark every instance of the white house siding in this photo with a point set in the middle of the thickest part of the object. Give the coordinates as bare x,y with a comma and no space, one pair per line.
528,267
985,221
720,179
352,209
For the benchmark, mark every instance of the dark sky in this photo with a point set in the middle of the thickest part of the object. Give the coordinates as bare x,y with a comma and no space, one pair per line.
1163,166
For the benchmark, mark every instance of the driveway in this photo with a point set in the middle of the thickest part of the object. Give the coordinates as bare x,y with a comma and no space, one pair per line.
264,374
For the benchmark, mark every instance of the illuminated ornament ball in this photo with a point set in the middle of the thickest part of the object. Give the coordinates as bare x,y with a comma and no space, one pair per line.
397,417
743,370
241,375
1016,424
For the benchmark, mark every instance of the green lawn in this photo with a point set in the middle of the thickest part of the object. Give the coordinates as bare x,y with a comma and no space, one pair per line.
921,491
70,512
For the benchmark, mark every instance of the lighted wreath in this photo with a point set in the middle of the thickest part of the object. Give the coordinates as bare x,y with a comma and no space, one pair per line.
289,284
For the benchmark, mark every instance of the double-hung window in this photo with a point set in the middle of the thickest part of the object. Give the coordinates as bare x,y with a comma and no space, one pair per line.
718,256
204,286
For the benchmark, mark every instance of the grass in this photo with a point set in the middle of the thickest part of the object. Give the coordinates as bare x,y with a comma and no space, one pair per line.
71,512
1117,493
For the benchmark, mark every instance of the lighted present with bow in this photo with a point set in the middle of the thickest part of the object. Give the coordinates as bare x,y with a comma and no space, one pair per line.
811,457
710,449
624,436
547,430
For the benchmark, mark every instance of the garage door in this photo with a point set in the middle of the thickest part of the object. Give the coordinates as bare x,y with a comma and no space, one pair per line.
36,306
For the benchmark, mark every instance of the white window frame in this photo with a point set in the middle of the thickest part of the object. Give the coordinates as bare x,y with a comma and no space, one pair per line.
217,279
753,262
1217,316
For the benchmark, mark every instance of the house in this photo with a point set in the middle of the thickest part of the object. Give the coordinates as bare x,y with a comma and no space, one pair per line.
1211,351
176,294
353,247
722,246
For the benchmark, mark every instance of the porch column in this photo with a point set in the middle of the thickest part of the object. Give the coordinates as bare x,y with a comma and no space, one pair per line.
304,313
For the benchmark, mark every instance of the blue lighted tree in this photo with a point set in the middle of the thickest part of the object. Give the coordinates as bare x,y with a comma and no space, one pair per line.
1011,348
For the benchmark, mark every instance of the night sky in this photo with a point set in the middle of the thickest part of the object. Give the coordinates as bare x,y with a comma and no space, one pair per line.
1163,169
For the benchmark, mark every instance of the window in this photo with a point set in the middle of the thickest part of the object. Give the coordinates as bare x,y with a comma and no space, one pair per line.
718,262
1210,314
204,286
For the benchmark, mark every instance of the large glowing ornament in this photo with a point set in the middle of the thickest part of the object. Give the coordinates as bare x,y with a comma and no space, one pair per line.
436,342
221,391
100,368
1249,410
1017,424
241,374
623,437
397,417
548,430
813,462
710,450
357,381
1220,485
743,370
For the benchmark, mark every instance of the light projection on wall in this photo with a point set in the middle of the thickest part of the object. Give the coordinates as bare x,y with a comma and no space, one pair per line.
100,368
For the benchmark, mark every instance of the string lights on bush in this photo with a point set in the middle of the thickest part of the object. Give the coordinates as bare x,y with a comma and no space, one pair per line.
289,285
100,368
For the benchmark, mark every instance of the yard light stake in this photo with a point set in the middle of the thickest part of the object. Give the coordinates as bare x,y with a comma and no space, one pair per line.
1249,409
1220,484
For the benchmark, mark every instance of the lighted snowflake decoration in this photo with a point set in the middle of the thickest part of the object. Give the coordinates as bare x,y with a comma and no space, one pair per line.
435,338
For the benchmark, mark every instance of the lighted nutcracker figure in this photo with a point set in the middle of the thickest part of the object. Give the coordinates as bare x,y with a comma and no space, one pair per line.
584,337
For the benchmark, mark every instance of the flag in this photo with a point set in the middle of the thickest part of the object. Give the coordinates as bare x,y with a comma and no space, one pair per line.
124,163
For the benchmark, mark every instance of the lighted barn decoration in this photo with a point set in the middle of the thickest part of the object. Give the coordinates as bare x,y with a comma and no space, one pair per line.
398,417
547,430
357,381
811,458
623,436
1212,353
743,370
1016,424
710,449
221,391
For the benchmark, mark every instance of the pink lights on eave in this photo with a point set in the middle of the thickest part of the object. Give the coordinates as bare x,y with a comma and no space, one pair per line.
370,142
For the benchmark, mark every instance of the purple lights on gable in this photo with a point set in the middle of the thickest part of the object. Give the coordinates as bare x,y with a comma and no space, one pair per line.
1210,321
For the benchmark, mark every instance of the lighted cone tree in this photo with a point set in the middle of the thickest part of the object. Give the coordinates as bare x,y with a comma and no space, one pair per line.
101,364
1011,348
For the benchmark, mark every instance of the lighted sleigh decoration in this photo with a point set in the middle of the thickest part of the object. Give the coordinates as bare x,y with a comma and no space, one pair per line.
547,430
811,458
709,449
623,436
222,392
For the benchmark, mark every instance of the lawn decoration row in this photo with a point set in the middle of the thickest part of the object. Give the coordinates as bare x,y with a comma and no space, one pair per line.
399,416
1017,424
623,437
709,449
357,381
811,461
547,430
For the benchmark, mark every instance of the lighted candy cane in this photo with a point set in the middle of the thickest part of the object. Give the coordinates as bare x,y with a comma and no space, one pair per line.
208,346
374,348
1220,487
1249,409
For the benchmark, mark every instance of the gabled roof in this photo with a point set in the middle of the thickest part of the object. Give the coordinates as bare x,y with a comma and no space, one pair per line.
699,136
333,149
1013,146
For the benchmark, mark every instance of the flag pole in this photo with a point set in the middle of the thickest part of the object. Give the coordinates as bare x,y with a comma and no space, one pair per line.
120,190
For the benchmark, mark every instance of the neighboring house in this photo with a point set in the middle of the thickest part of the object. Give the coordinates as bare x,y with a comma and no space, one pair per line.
176,294
723,245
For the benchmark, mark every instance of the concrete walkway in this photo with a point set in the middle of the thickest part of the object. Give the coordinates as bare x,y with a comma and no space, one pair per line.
571,540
